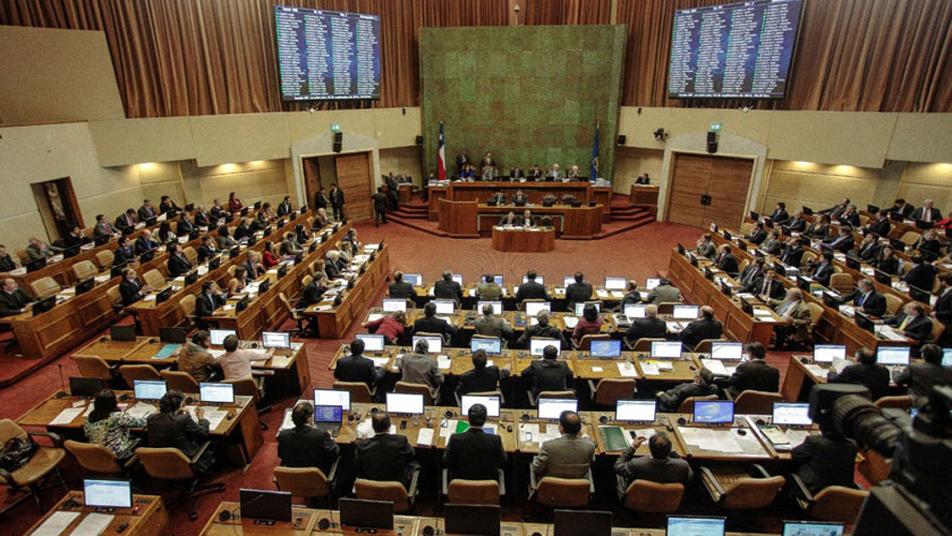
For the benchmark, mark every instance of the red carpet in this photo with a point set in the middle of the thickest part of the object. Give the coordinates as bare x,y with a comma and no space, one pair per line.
636,254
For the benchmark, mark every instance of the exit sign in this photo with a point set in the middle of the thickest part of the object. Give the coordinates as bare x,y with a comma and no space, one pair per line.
716,127
335,127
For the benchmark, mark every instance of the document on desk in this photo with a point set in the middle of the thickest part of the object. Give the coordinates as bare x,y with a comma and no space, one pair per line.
55,524
373,317
602,293
529,432
839,364
444,362
816,370
891,333
167,351
66,416
569,321
286,423
380,361
762,312
425,437
650,369
627,370
715,366
141,410
448,428
710,439
93,525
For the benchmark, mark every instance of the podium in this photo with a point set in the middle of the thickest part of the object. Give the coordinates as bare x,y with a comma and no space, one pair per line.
458,218
533,240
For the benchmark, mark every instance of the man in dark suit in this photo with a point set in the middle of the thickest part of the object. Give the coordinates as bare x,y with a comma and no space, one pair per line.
320,199
102,227
304,445
185,226
474,454
381,204
824,269
13,301
178,264
217,211
355,367
147,211
401,289
942,311
649,327
796,223
207,302
145,243
927,213
757,234
541,330
866,300
920,378
726,261
492,325
767,286
753,270
780,215
902,208
662,466
385,457
131,289
706,327
579,291
843,242
793,253
835,211
548,373
202,218
126,221
849,217
207,250
285,208
166,205
755,374
7,264
430,323
922,274
531,290
483,378
773,244
864,372
913,322
312,293
336,197
447,289
870,248
825,460
172,428
881,226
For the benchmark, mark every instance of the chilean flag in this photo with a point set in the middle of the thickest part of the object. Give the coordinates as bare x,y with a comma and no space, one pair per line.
441,156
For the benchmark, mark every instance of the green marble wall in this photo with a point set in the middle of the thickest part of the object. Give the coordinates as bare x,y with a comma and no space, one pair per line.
529,94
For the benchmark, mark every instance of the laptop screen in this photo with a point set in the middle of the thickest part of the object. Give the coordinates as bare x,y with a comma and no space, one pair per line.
332,414
635,410
262,504
218,335
491,402
391,305
372,343
107,493
458,278
552,408
666,349
274,339
580,308
491,346
497,278
497,306
727,350
892,355
635,311
533,308
947,357
825,353
149,389
537,346
444,307
616,283
811,528
792,414
406,403
434,344
414,279
695,526
366,513
332,397
652,282
713,412
582,523
685,312
606,349
474,520
568,280
539,279
216,393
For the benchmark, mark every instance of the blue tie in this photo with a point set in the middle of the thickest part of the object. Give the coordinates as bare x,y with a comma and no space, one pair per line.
862,298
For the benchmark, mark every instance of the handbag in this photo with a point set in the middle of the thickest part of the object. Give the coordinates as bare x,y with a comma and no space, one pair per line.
16,452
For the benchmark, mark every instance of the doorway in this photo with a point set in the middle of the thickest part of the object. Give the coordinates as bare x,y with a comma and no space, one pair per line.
707,189
352,172
58,206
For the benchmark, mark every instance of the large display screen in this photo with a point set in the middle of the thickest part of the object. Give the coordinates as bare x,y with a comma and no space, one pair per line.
327,55
734,51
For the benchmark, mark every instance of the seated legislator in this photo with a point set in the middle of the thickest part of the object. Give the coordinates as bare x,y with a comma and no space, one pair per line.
927,212
928,246
542,329
13,301
312,293
38,249
474,454
706,327
665,292
753,270
238,283
520,198
555,172
385,457
705,246
253,266
757,234
270,257
579,291
767,286
355,367
912,322
703,385
124,253
488,173
827,459
755,374
243,231
649,327
864,372
881,225
207,250
185,226
644,179
103,227
773,244
430,323
492,325
780,215
108,426
147,211
725,261
399,288
483,378
531,290
447,289
236,363
887,262
849,217
131,289
196,360
391,326
203,220
75,239
573,173
548,373
796,316
902,209
568,456
167,205
207,302
225,240
488,290
921,275
589,324
796,224
822,271
419,367
793,252
820,228
866,299
835,211
632,296
920,378
126,221
173,428
499,198
178,264
304,445
870,248
468,173
536,173
218,210
7,263
843,242
663,466
516,173
290,245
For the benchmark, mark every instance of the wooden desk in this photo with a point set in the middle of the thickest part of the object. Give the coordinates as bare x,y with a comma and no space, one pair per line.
458,218
569,222
243,424
481,191
148,517
537,240
334,320
404,193
644,196
303,522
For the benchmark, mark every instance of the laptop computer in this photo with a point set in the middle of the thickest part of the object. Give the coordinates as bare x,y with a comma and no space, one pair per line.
811,528
695,526
263,504
328,418
791,414
582,523
172,335
714,412
472,520
81,386
122,333
366,513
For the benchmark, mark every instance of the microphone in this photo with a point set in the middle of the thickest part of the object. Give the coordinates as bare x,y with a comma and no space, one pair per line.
225,515
62,393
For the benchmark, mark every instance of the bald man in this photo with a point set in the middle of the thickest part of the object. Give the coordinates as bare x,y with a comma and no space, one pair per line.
706,327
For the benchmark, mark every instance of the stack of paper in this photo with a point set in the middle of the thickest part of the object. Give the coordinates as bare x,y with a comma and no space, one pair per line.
66,416
709,439
425,437
141,410
650,369
93,525
816,370
570,321
618,294
380,361
627,370
55,524
444,362
715,366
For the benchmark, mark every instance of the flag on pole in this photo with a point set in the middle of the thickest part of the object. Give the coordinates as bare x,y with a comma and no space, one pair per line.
594,170
441,156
